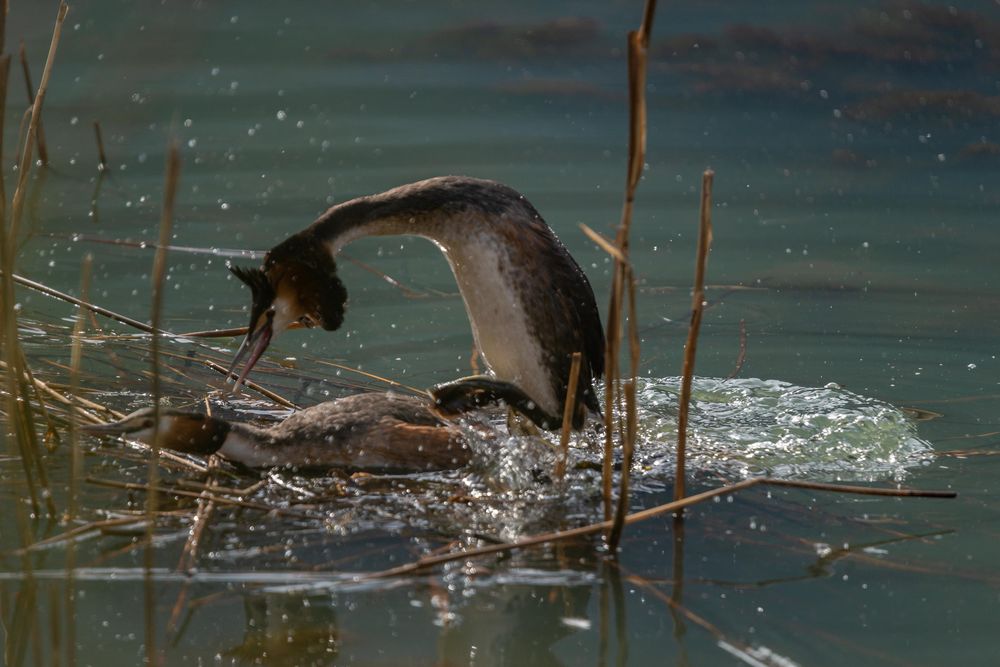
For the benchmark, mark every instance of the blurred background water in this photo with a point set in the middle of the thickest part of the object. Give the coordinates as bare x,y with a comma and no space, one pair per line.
857,155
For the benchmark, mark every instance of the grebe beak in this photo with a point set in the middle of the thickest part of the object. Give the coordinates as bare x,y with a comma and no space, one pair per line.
114,428
255,343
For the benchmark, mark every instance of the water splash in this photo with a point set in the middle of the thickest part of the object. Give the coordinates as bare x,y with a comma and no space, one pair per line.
754,427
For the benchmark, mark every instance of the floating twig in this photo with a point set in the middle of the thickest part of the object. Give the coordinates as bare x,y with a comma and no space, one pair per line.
643,515
74,533
218,499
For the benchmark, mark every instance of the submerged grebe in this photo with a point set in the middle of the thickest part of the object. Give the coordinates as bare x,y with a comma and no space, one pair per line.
367,431
529,303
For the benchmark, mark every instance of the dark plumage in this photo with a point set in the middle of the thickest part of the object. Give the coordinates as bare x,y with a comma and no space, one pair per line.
529,303
384,431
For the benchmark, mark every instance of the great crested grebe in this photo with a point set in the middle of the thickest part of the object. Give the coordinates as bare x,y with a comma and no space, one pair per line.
529,303
382,431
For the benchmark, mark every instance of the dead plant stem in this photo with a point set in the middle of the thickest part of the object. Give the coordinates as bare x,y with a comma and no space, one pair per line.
158,275
101,155
43,151
643,515
691,347
569,409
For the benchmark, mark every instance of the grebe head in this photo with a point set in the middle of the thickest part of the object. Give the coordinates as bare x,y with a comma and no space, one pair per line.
186,432
297,286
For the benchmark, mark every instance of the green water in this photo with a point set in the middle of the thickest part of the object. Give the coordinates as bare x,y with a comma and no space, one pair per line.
863,219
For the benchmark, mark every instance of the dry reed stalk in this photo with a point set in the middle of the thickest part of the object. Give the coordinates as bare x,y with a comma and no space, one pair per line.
227,490
628,448
27,428
569,408
101,155
4,76
216,333
226,333
166,456
205,506
21,627
20,414
372,376
603,243
159,272
48,291
76,353
691,347
604,621
678,573
47,388
141,326
51,434
76,463
189,555
643,515
215,498
741,357
69,535
267,393
54,622
24,166
43,151
623,282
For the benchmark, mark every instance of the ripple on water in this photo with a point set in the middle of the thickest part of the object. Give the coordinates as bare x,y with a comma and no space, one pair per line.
753,426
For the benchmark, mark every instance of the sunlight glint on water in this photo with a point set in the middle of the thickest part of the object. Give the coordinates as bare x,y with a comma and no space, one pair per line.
752,426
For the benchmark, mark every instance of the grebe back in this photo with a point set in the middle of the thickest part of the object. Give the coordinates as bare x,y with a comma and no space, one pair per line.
379,431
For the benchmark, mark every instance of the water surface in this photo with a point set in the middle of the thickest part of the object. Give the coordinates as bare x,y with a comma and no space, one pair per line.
856,152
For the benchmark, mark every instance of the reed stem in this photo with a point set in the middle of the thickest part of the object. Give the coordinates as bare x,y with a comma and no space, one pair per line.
43,151
623,281
36,113
158,275
569,409
101,155
76,461
691,347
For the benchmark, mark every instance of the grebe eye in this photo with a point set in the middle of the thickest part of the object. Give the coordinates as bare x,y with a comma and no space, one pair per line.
307,321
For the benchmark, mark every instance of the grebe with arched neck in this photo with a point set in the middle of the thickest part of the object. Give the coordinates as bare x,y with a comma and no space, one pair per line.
529,303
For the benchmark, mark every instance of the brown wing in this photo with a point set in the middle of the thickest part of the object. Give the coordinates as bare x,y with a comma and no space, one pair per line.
438,447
